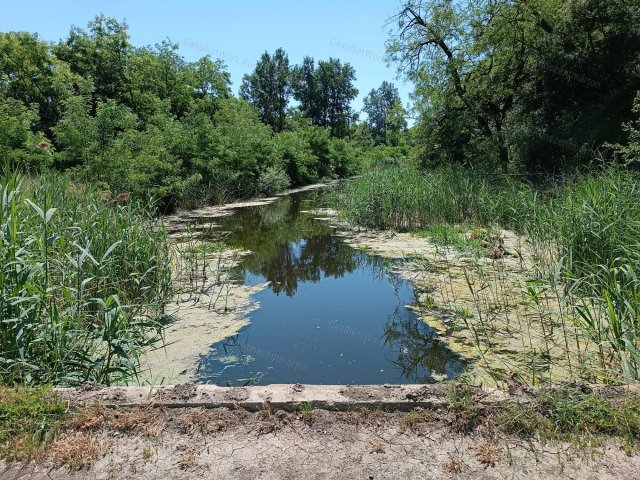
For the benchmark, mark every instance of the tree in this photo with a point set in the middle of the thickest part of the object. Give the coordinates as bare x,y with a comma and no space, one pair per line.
19,146
522,83
384,110
325,93
209,78
268,88
30,74
100,54
468,60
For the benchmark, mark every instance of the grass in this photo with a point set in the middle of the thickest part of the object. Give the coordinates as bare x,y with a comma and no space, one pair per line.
83,283
306,411
30,419
575,415
567,413
584,232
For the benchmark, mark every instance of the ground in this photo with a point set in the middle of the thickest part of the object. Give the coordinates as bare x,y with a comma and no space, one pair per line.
310,444
340,432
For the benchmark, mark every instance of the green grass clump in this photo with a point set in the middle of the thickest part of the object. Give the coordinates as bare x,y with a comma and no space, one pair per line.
29,420
575,415
83,282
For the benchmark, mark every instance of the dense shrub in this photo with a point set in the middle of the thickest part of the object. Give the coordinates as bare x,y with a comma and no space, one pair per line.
83,282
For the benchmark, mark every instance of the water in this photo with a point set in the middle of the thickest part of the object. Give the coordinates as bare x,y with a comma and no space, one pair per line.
331,314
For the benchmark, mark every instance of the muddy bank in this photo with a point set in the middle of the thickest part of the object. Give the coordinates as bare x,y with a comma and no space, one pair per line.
488,308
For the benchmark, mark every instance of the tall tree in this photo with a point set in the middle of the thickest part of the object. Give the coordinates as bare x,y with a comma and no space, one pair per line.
384,110
29,73
325,93
268,88
101,54
449,49
521,82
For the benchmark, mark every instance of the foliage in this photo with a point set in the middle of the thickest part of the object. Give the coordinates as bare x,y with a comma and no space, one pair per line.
324,93
268,87
573,414
534,85
585,228
385,114
83,283
147,123
19,146
630,152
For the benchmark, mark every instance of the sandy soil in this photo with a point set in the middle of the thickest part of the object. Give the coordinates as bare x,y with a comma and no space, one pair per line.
235,444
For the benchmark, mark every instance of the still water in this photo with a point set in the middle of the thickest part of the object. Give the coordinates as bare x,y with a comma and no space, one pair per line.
330,315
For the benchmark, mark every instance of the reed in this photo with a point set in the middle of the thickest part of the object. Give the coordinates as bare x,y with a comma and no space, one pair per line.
83,282
584,232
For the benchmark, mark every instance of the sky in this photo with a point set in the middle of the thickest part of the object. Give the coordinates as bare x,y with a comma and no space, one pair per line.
238,32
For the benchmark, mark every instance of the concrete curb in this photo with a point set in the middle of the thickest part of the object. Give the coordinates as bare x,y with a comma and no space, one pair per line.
289,397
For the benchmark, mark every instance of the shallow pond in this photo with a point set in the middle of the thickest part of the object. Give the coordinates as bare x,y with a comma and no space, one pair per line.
330,315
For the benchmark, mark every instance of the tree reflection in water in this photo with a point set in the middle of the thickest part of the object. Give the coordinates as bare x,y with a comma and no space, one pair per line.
422,357
289,247
343,315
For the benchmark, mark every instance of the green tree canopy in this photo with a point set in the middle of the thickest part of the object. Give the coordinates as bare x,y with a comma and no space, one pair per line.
325,93
384,111
268,88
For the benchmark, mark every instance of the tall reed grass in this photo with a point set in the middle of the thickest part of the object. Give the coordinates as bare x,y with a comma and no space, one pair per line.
83,283
584,230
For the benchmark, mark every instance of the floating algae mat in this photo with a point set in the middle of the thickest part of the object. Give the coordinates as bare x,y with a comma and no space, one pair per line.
329,315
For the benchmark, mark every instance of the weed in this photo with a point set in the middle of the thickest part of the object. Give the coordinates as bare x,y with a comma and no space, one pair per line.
306,411
377,446
76,450
142,421
147,452
583,234
83,283
30,419
574,414
487,453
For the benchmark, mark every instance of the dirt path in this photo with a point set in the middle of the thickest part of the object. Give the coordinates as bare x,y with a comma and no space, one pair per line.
318,444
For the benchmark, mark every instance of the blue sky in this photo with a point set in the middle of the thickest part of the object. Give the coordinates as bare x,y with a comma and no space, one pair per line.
238,32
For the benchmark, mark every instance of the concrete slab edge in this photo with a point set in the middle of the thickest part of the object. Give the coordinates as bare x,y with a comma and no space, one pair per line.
290,396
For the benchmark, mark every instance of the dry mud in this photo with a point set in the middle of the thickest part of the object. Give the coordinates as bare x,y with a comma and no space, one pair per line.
316,444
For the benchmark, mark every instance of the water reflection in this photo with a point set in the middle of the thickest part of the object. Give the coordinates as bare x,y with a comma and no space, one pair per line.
342,319
289,247
420,355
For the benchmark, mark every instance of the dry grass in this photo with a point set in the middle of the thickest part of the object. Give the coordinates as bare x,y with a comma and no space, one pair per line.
142,421
90,418
188,459
377,446
365,417
453,465
76,450
487,453
415,419
266,420
195,421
